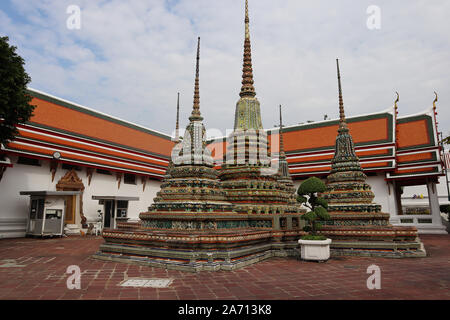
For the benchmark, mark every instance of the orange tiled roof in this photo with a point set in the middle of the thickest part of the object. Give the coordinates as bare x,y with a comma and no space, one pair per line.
402,148
84,136
381,143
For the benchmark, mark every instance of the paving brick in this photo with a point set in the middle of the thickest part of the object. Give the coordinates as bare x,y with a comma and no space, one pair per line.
277,278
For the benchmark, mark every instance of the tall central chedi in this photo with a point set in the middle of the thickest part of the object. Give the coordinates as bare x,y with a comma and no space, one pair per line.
357,225
248,175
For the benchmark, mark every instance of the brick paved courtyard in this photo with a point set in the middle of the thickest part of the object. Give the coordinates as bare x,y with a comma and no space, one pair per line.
36,269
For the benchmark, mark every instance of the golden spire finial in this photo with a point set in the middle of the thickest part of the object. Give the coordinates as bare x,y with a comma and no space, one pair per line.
247,89
342,120
196,108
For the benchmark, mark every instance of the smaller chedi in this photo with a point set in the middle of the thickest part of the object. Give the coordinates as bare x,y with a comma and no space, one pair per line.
357,225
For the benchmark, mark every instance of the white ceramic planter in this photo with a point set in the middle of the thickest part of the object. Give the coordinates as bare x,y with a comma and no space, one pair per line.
316,250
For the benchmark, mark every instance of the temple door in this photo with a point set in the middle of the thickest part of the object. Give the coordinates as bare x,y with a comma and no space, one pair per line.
70,210
71,182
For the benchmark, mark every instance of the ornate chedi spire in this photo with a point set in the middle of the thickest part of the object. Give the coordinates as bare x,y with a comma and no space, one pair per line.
251,182
191,178
346,171
283,164
345,157
196,108
192,150
177,125
357,225
247,89
248,113
176,138
283,170
342,121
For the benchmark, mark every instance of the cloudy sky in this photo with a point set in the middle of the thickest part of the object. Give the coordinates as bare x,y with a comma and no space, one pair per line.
130,58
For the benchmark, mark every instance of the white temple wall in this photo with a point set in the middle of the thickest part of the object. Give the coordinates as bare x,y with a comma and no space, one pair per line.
107,185
14,208
381,191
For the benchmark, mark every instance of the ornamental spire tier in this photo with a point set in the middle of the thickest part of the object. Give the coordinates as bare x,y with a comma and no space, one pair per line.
357,225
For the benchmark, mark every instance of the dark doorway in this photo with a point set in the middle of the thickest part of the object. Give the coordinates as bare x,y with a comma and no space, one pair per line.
109,213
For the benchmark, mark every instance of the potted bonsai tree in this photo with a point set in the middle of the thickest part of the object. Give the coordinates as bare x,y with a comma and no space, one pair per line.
313,246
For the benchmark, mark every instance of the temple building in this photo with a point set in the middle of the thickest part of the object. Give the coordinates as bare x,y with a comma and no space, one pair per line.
115,165
106,171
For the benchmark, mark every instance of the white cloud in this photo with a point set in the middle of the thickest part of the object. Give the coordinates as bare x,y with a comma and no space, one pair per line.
131,58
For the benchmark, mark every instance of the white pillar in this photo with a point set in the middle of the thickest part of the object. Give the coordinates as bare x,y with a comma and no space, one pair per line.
437,226
394,218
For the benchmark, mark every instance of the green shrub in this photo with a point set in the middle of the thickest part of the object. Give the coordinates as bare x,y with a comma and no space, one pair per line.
315,238
307,195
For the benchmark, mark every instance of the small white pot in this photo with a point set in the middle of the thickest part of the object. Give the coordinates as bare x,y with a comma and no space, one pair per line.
315,250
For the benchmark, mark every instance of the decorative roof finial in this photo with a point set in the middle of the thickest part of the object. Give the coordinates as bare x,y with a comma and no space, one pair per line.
282,153
177,126
435,100
196,109
247,89
342,121
395,103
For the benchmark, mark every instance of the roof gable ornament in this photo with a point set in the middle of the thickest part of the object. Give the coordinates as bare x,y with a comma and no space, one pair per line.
435,112
435,100
396,101
70,182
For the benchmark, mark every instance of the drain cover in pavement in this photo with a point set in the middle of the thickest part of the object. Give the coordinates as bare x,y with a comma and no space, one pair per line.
146,283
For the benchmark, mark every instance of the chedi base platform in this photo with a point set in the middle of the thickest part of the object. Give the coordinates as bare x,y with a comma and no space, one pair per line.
197,251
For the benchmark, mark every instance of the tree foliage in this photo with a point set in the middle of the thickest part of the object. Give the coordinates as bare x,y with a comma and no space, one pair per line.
14,99
308,196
